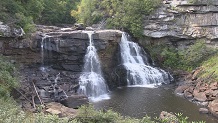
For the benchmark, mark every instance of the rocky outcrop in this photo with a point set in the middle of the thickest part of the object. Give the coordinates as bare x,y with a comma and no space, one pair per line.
10,32
180,20
75,101
64,49
213,107
169,117
60,110
200,92
53,58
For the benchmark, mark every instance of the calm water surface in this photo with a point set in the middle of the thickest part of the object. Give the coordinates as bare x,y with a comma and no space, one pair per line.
139,101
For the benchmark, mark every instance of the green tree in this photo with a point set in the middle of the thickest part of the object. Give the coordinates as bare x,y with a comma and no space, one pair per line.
58,11
119,14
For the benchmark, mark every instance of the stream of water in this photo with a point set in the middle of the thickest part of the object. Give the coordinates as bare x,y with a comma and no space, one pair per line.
92,82
139,101
139,71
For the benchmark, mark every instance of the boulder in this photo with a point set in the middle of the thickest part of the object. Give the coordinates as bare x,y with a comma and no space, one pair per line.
79,26
188,94
60,110
199,96
181,89
75,101
171,118
213,86
213,107
10,32
203,110
195,73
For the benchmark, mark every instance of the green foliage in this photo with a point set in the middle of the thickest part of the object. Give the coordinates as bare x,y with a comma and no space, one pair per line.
89,115
23,13
129,15
119,14
195,54
7,78
87,12
56,11
179,118
11,113
26,22
186,59
209,69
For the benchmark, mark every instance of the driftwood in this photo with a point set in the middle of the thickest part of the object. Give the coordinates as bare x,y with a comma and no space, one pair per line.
34,104
24,96
37,93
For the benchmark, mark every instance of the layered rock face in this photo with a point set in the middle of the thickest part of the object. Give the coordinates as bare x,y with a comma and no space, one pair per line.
53,58
180,20
65,50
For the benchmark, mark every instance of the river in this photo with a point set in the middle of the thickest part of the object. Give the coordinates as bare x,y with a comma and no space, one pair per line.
139,101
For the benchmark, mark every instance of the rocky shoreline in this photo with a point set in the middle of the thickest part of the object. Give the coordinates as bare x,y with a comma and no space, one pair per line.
200,92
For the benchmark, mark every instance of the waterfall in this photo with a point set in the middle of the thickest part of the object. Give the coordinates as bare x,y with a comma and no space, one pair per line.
45,51
139,71
42,68
91,81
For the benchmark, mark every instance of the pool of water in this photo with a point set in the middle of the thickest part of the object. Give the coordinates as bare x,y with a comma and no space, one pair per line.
140,101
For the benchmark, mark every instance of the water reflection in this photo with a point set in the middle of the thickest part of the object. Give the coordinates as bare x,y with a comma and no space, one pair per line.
138,102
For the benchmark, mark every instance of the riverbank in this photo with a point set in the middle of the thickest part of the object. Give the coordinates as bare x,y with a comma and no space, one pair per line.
201,86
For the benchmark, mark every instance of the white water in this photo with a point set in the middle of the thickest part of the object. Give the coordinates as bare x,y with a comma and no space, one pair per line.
45,44
139,72
91,81
42,68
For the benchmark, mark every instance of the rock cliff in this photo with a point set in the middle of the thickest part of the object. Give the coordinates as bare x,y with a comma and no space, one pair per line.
53,58
182,21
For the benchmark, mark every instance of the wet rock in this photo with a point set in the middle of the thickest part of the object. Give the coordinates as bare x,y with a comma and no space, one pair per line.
181,89
213,107
205,104
72,67
75,101
188,94
200,96
60,110
204,110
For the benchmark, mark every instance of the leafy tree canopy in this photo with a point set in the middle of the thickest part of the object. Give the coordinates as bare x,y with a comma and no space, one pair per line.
119,14
25,13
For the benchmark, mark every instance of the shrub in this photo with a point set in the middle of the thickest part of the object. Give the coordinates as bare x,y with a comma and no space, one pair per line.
26,22
11,113
89,115
186,59
209,69
8,79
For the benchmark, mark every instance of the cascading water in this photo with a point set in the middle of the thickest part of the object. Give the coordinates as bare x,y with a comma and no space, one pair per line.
91,81
139,71
45,51
42,52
